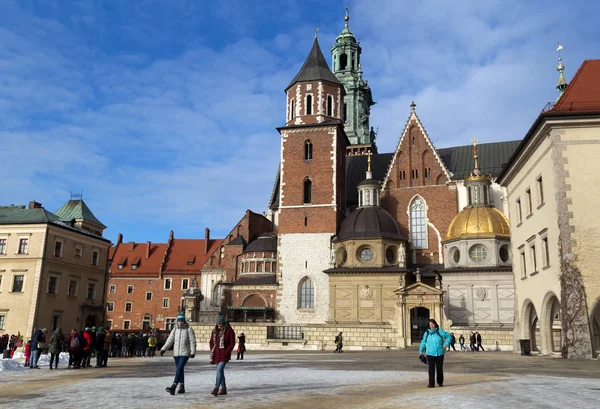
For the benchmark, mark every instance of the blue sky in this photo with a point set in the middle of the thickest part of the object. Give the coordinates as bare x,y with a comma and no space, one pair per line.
164,112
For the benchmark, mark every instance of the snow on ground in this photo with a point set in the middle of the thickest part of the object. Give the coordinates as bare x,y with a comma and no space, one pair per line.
7,364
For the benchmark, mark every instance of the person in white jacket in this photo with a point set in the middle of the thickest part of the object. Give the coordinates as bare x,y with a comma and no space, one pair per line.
183,340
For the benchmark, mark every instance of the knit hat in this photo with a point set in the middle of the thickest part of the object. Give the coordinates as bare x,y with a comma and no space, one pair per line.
220,319
87,329
93,328
101,329
181,316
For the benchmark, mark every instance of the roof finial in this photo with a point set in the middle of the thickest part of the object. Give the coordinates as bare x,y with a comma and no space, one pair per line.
369,173
346,17
317,32
476,167
413,106
562,83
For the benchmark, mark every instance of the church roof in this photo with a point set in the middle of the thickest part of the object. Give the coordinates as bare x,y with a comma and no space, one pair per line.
369,222
76,210
314,68
583,94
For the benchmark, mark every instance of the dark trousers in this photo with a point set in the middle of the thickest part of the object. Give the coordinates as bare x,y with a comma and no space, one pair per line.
436,363
54,359
480,346
240,354
73,359
104,358
99,358
180,361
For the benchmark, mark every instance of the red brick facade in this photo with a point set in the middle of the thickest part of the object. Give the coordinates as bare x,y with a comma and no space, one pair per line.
416,170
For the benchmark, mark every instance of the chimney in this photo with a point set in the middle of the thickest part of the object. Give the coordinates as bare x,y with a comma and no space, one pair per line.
148,250
35,205
131,245
206,240
119,238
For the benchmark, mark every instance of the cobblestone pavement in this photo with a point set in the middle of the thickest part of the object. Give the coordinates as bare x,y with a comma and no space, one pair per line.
390,379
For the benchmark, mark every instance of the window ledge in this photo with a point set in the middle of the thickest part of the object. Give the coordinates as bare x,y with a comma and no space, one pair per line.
52,294
529,215
523,278
541,205
307,310
71,297
534,273
519,225
546,267
16,292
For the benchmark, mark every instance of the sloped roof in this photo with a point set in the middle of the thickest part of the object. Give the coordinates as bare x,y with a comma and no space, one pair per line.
583,93
263,243
182,249
262,279
77,209
146,268
315,68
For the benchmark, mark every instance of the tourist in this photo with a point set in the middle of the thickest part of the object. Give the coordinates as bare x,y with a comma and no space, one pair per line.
114,345
124,346
452,341
478,338
99,347
432,346
472,341
183,340
339,343
107,346
74,347
87,347
152,341
222,341
38,337
92,344
241,346
27,353
56,342
461,341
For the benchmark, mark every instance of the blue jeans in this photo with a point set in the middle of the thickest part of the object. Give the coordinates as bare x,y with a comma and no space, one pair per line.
35,356
221,375
180,361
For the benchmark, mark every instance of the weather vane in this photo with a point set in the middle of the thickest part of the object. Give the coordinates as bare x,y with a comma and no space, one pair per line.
317,32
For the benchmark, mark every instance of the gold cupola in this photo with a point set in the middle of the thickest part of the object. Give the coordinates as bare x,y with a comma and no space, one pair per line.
478,222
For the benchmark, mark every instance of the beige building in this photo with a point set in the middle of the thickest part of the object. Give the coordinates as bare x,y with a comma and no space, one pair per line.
53,268
553,198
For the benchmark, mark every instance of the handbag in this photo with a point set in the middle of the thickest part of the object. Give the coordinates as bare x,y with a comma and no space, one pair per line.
423,359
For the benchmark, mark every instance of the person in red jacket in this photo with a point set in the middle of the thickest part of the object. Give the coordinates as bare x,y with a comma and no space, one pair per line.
222,341
87,349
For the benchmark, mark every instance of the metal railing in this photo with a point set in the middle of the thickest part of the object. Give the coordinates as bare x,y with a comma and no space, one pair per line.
285,332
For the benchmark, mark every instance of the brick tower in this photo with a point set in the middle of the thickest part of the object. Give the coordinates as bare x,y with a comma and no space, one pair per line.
312,189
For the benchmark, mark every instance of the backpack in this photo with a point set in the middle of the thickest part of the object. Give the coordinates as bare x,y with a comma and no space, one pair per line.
74,343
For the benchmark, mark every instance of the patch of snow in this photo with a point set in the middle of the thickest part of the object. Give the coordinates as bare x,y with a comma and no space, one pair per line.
63,359
7,364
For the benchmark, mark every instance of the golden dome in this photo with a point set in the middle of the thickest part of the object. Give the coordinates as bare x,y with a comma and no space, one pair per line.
478,222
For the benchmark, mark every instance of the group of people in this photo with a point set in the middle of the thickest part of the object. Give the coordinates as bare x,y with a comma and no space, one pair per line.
222,342
10,344
129,345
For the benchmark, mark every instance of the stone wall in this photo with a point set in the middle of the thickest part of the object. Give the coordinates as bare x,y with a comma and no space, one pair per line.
316,337
494,339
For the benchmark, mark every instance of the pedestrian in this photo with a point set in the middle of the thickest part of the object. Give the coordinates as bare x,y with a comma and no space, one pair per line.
241,346
461,341
452,341
432,345
222,341
87,348
39,337
478,338
93,344
124,346
73,346
114,345
152,341
339,343
100,340
56,342
107,346
27,353
472,341
183,340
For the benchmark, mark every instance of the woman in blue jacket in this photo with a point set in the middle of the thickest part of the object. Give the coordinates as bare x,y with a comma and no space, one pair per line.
434,343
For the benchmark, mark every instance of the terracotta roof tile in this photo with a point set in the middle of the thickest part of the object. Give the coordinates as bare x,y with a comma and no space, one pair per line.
182,250
146,267
583,93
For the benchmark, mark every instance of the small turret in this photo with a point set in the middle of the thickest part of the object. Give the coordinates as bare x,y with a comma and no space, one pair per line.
562,84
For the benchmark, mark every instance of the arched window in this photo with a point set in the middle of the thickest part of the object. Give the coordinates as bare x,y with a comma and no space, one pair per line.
485,195
352,60
329,105
469,198
308,150
307,197
307,294
418,224
259,267
309,104
343,62
292,109
217,292
477,194
345,113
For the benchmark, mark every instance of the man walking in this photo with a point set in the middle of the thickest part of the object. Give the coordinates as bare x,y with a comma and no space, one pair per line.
478,337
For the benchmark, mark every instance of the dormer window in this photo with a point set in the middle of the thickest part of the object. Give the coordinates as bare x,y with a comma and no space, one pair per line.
121,263
120,266
191,259
134,266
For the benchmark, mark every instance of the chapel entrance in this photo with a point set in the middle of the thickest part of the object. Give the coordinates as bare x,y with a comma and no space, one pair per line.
90,321
419,323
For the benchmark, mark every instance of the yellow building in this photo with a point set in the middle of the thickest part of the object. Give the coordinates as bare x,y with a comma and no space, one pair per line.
552,190
53,268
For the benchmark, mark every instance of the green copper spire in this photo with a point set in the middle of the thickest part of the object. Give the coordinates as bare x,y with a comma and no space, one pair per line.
562,84
358,100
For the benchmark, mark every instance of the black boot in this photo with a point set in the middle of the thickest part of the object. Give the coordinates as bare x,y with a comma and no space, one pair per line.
171,389
215,391
181,389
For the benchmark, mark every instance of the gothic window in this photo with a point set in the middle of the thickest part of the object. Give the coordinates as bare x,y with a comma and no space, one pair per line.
308,150
418,224
307,294
343,61
307,191
329,105
309,104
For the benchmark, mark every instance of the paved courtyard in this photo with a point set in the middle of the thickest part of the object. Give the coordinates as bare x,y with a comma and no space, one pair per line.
391,379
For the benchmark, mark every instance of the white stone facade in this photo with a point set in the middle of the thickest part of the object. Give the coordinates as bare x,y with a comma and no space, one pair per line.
303,255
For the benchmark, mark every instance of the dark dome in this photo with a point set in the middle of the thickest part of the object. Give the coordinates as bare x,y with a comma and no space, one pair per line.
369,222
369,182
266,243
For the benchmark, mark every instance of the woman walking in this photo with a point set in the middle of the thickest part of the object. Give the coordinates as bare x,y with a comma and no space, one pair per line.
433,345
241,346
222,341
56,343
183,340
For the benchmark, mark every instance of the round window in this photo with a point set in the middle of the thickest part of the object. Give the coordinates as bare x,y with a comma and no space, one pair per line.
455,254
478,253
390,254
366,254
504,255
